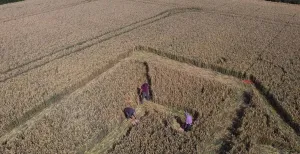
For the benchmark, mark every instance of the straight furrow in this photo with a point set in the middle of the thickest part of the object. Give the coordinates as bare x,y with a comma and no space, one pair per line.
41,61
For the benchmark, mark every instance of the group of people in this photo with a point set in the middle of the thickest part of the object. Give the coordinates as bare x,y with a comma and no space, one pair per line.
144,94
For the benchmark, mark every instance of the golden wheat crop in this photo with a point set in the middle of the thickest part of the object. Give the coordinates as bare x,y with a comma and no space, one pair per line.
64,80
82,118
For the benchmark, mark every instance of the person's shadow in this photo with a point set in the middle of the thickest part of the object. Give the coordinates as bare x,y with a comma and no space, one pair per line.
138,90
178,120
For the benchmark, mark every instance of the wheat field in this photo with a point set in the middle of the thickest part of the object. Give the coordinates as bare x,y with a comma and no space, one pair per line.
68,68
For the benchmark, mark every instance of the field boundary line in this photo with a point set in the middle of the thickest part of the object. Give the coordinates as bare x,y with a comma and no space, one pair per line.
265,92
58,97
38,62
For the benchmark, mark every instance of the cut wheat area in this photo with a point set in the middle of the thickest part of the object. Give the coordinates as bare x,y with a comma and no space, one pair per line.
226,115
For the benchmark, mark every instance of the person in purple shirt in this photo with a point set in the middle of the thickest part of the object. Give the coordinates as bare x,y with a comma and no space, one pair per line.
144,93
129,113
188,122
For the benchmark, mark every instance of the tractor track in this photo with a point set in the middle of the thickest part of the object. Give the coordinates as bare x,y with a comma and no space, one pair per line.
78,47
41,61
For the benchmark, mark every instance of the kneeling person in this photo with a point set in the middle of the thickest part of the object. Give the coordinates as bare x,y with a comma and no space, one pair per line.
130,114
144,93
188,122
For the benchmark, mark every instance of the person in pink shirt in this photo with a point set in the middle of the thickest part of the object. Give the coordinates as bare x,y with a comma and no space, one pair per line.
144,92
188,122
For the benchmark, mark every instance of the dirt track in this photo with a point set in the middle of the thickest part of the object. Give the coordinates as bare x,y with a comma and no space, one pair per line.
48,48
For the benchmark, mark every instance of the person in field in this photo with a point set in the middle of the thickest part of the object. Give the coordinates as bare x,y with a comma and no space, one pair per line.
144,93
188,122
130,114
